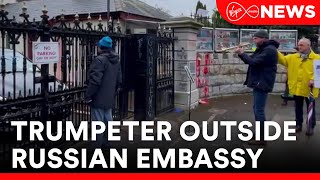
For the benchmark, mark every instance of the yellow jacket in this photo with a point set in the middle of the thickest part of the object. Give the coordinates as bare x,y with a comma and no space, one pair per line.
299,73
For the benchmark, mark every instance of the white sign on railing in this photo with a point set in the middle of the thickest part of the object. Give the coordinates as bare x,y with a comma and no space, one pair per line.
316,73
45,52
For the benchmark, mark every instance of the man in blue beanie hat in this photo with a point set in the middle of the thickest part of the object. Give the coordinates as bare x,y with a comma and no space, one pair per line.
104,78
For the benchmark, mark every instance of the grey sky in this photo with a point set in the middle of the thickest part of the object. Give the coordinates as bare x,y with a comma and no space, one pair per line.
178,7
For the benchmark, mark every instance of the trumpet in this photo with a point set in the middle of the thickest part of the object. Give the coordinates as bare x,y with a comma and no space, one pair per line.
234,47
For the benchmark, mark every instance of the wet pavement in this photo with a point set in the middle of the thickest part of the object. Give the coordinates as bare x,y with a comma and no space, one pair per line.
302,155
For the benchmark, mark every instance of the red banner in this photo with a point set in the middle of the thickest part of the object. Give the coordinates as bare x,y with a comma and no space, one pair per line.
270,12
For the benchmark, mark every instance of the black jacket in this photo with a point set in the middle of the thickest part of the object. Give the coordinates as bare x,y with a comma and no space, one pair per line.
262,66
104,77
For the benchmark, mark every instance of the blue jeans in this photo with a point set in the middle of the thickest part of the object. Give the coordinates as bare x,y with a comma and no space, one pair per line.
259,104
104,116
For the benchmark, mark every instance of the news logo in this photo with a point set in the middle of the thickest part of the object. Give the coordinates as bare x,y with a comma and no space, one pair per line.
236,11
269,12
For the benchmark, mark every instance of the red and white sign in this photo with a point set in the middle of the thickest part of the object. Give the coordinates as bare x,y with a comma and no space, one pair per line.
45,52
270,12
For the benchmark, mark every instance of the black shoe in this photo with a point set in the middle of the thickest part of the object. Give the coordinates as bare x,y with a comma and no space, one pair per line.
298,128
310,132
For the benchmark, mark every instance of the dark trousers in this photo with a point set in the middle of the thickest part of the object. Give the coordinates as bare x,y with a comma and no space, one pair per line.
259,104
299,100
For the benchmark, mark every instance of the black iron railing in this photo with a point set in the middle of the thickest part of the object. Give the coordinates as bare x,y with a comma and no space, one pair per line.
165,70
49,92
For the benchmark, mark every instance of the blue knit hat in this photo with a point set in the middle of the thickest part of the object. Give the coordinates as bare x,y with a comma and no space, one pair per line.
105,42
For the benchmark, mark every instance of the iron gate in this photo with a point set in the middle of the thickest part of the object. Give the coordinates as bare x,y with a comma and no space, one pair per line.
165,71
154,76
49,92
55,92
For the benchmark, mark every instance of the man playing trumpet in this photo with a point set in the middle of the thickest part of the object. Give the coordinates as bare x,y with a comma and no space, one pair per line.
261,75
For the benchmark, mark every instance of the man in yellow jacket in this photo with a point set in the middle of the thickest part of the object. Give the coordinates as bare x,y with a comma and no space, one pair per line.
301,79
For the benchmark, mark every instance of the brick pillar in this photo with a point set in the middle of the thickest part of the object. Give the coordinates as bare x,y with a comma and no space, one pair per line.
185,30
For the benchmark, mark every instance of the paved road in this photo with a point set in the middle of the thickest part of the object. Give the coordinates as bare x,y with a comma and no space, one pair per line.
300,155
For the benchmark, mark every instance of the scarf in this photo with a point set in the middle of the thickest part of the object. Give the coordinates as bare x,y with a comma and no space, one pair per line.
304,56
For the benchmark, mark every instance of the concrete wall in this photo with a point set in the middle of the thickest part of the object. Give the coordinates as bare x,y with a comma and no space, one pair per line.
226,75
9,1
215,74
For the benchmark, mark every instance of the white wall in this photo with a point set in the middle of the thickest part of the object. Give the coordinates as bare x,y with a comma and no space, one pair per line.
19,47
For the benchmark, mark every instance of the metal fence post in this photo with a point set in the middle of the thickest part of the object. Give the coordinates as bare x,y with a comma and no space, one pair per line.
45,37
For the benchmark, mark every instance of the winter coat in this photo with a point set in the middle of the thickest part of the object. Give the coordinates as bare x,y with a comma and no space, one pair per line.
262,68
300,72
104,77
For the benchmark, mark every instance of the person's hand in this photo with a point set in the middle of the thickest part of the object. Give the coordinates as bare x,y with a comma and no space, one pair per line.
311,83
239,50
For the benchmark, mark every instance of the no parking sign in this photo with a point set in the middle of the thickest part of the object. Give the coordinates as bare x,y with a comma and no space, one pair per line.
45,52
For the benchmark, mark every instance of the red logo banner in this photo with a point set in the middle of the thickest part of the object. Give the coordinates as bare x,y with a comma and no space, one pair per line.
270,12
